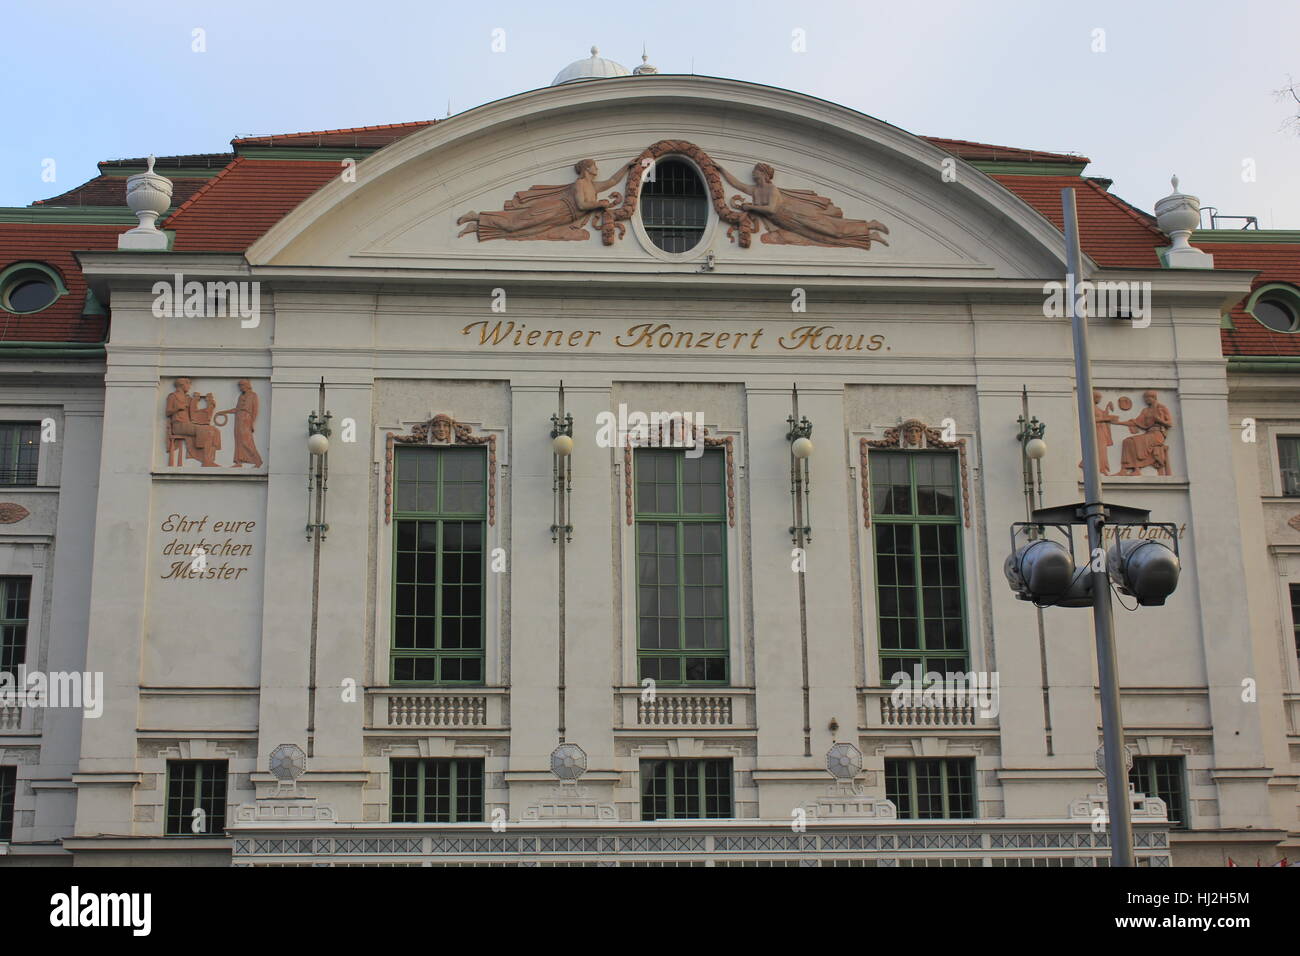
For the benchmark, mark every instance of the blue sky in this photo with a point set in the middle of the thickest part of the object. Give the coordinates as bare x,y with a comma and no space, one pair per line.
1185,88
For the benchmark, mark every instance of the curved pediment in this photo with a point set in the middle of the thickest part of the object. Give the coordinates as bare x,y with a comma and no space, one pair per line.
551,180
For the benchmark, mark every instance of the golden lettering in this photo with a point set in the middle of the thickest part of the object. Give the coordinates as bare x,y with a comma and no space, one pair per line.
651,335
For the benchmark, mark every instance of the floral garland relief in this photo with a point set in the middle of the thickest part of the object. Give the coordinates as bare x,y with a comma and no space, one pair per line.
784,216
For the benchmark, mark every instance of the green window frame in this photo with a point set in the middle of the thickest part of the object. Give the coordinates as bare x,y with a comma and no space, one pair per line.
939,788
686,789
18,274
15,609
439,562
920,573
20,445
1288,459
1163,777
437,791
681,553
196,784
8,792
1295,615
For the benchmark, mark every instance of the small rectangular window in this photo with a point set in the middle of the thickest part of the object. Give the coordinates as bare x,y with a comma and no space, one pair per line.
437,791
686,789
8,790
20,444
932,789
15,607
1162,777
1288,456
196,798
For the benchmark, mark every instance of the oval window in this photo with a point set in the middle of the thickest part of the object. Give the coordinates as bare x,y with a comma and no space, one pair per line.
1275,314
674,206
30,295
29,287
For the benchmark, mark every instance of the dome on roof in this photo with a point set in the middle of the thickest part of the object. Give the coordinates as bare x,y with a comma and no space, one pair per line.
596,67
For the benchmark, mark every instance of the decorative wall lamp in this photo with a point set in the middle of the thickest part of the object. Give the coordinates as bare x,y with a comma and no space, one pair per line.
318,447
1032,450
801,448
561,470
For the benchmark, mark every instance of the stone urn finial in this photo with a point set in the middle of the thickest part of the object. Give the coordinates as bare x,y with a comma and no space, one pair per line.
149,195
1177,215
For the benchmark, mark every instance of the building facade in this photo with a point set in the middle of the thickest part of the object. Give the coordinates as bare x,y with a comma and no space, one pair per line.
565,587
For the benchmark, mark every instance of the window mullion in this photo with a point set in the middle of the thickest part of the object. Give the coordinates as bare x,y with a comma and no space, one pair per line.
700,788
681,594
921,642
451,790
911,484
680,476
917,589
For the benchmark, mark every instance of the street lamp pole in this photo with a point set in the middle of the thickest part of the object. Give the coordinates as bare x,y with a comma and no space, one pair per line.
1112,723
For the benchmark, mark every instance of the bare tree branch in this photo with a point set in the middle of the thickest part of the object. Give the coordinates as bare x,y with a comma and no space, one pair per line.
1292,89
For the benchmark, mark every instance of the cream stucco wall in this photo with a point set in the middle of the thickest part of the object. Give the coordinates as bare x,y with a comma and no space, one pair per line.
366,286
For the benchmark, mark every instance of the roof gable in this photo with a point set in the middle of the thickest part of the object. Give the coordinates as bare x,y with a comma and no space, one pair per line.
402,211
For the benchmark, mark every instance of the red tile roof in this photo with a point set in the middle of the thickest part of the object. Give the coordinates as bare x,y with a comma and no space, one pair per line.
1277,262
986,152
230,211
360,136
244,200
1110,230
111,191
162,164
53,245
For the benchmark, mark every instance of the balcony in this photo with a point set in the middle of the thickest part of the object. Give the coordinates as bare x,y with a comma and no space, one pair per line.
16,719
11,719
440,708
879,708
724,708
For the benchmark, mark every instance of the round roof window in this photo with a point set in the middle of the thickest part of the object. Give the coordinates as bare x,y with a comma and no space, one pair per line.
29,287
31,295
1276,313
